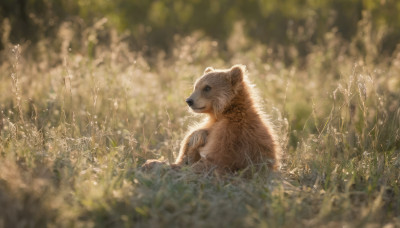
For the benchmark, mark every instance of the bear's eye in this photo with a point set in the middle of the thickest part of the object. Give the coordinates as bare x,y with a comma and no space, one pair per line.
207,88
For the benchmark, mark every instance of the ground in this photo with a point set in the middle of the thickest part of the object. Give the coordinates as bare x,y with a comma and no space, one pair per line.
75,128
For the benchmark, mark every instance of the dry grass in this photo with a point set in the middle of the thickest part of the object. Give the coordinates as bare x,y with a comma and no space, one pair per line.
75,128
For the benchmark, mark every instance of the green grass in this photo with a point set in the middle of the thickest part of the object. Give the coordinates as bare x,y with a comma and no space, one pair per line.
75,129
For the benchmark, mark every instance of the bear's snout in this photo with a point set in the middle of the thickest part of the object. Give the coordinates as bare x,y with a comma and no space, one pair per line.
189,101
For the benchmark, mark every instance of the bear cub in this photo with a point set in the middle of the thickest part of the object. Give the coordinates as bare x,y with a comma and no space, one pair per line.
235,133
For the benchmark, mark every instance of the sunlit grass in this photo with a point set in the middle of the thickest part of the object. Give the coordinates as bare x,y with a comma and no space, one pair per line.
74,130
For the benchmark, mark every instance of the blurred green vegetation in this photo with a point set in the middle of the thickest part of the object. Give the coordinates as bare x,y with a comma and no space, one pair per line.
154,25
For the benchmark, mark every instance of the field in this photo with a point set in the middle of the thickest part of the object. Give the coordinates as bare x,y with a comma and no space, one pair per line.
76,125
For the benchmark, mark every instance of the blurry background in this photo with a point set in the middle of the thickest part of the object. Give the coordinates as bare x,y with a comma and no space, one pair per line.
154,25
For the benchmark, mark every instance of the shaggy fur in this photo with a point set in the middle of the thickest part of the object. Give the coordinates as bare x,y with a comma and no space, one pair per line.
235,134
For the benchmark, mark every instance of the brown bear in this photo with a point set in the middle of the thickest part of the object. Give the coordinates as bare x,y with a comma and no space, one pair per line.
235,133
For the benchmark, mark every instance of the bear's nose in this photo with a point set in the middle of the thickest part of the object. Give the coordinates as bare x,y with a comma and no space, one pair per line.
189,101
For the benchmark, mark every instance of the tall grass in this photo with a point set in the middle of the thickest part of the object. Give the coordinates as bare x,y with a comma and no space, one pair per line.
75,126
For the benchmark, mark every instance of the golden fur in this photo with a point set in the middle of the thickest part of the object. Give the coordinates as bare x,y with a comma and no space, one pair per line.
235,134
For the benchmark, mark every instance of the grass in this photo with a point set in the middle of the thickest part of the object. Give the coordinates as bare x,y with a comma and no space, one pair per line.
75,126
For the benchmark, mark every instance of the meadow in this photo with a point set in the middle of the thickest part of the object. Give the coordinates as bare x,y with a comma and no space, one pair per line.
76,125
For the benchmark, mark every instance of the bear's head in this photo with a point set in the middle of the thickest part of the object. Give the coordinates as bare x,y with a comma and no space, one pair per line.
215,89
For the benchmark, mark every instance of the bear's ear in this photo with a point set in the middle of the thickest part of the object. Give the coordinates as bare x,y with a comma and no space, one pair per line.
208,70
236,74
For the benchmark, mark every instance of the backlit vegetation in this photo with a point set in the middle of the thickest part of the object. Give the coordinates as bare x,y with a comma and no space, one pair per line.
75,126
